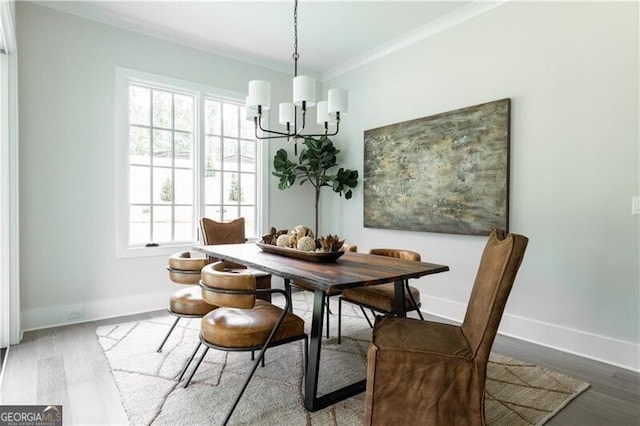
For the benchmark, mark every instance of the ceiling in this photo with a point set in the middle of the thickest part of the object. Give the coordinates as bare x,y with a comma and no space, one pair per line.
333,36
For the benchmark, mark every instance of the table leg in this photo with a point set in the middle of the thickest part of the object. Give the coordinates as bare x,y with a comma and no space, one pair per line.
315,344
399,307
311,401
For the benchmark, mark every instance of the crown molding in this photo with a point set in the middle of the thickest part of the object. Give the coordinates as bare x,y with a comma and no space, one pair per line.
430,29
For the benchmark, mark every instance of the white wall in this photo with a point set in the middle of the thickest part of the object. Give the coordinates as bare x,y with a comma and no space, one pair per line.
571,70
67,162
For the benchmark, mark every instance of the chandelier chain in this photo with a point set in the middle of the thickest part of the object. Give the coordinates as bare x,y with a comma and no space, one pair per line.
295,36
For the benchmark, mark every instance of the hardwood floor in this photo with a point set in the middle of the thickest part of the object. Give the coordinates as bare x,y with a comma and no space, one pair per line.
65,365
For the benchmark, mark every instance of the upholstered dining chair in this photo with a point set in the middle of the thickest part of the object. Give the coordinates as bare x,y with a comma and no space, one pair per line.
242,322
232,232
186,303
380,298
331,293
433,373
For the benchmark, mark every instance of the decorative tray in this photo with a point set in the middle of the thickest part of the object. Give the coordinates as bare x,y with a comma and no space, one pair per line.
321,257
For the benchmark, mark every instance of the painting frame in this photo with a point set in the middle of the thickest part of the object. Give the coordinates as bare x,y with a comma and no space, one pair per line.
445,173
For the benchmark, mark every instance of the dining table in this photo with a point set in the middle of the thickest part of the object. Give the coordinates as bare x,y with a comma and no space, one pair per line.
348,270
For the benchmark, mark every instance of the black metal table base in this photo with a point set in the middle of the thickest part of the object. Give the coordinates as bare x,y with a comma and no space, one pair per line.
336,396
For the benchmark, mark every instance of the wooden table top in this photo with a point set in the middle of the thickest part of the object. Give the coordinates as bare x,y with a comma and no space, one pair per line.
350,270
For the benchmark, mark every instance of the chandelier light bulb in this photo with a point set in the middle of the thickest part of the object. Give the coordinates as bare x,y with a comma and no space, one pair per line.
323,115
259,94
250,113
286,113
338,101
304,89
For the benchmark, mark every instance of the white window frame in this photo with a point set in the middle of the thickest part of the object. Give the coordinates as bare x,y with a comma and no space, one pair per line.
124,76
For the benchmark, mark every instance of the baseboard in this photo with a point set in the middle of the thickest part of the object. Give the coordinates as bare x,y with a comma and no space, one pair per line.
577,342
55,316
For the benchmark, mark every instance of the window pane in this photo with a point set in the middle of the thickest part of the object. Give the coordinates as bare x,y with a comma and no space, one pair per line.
212,154
184,224
139,224
236,193
213,212
139,145
212,193
161,224
231,191
230,154
184,112
230,213
247,188
139,185
248,156
184,186
184,149
213,117
230,116
162,148
139,105
249,214
162,186
161,109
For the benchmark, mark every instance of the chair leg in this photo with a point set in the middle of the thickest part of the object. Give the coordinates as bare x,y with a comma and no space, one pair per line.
249,377
186,366
339,320
328,311
366,316
206,349
413,300
168,334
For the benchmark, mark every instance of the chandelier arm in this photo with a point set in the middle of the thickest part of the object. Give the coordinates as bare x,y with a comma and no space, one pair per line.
334,133
304,119
258,125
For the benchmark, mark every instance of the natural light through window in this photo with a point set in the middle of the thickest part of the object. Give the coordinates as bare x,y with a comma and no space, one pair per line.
189,153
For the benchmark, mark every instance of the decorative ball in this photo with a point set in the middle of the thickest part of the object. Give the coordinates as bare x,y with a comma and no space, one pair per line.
307,244
283,241
302,231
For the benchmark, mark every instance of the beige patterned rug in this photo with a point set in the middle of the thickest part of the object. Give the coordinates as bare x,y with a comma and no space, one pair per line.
517,393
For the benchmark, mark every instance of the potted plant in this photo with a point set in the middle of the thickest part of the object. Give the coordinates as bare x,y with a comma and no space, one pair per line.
316,158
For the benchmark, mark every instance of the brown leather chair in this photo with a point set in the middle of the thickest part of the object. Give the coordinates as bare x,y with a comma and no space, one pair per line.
328,294
232,232
430,373
186,303
243,322
380,298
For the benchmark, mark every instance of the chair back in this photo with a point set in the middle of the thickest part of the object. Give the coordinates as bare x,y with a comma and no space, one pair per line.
231,232
499,264
349,247
184,268
227,289
397,253
214,232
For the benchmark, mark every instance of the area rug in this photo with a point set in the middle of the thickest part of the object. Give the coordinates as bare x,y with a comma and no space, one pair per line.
517,393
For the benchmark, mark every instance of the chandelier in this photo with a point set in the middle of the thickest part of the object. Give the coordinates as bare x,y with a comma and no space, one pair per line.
304,97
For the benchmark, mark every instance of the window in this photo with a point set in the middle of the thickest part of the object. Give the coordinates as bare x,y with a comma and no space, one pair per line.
230,164
187,152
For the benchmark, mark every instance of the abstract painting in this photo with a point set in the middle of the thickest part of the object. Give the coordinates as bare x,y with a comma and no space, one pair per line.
446,173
